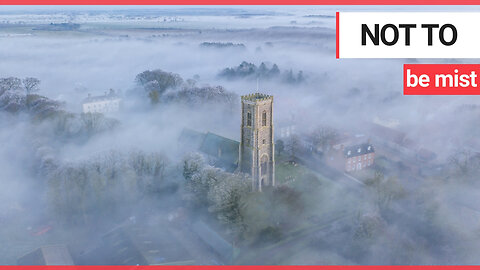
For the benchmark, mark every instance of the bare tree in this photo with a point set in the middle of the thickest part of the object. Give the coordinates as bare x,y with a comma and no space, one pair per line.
323,136
293,146
31,85
465,163
10,84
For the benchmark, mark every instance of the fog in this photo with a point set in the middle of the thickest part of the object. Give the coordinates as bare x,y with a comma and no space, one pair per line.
70,178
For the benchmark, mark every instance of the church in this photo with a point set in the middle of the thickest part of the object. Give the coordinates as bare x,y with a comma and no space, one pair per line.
254,154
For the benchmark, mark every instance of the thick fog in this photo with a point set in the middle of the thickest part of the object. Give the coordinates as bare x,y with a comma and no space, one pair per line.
68,178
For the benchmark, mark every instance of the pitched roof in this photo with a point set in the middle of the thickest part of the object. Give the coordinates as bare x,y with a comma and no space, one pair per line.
224,149
132,244
191,138
358,150
47,255
387,133
107,96
214,240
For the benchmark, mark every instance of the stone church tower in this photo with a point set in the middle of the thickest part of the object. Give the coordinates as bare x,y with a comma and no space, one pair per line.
257,144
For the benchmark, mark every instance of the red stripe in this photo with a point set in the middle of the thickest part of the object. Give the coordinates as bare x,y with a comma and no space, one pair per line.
239,2
338,34
248,267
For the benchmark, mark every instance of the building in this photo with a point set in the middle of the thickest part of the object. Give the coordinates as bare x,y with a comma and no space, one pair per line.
107,103
254,155
137,244
47,255
358,157
257,141
219,151
214,241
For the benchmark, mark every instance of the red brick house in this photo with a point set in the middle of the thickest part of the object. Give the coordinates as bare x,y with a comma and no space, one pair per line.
358,157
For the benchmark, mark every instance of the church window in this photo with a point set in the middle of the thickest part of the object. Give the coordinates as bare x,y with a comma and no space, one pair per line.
264,142
264,118
249,119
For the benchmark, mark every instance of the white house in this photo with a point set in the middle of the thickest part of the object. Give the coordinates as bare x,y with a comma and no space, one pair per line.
107,103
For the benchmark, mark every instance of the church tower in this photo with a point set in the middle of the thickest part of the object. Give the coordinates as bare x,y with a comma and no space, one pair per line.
257,144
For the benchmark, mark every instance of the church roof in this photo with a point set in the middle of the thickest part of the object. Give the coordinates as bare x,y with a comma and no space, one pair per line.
224,149
191,138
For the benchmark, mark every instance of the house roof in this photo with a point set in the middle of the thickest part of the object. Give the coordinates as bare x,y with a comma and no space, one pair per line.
214,240
47,255
143,245
387,133
110,96
358,150
225,150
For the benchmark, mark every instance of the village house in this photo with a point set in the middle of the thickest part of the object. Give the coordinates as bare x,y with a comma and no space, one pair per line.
107,103
352,158
358,157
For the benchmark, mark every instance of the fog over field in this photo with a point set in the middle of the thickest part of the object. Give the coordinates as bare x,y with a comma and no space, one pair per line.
69,178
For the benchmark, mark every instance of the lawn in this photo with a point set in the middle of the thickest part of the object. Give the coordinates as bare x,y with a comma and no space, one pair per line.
286,172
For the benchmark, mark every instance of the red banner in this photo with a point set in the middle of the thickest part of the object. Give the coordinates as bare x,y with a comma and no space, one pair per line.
441,79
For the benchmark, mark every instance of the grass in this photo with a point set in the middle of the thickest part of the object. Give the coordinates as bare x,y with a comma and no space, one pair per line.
286,172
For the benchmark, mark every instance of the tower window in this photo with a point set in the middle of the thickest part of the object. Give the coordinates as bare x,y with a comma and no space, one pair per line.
264,118
249,119
264,141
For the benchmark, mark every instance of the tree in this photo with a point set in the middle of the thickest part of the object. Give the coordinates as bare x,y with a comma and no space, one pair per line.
262,70
465,163
162,80
226,200
279,146
10,84
274,71
31,85
293,146
368,226
192,164
323,136
385,190
158,81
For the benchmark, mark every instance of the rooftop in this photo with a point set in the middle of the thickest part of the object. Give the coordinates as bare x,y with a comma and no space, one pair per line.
47,255
257,97
111,95
358,150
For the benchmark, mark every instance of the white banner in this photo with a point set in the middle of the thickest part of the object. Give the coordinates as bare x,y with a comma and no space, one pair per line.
408,35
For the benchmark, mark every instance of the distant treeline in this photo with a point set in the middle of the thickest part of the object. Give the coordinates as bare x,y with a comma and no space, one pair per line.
59,27
251,71
221,45
319,16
